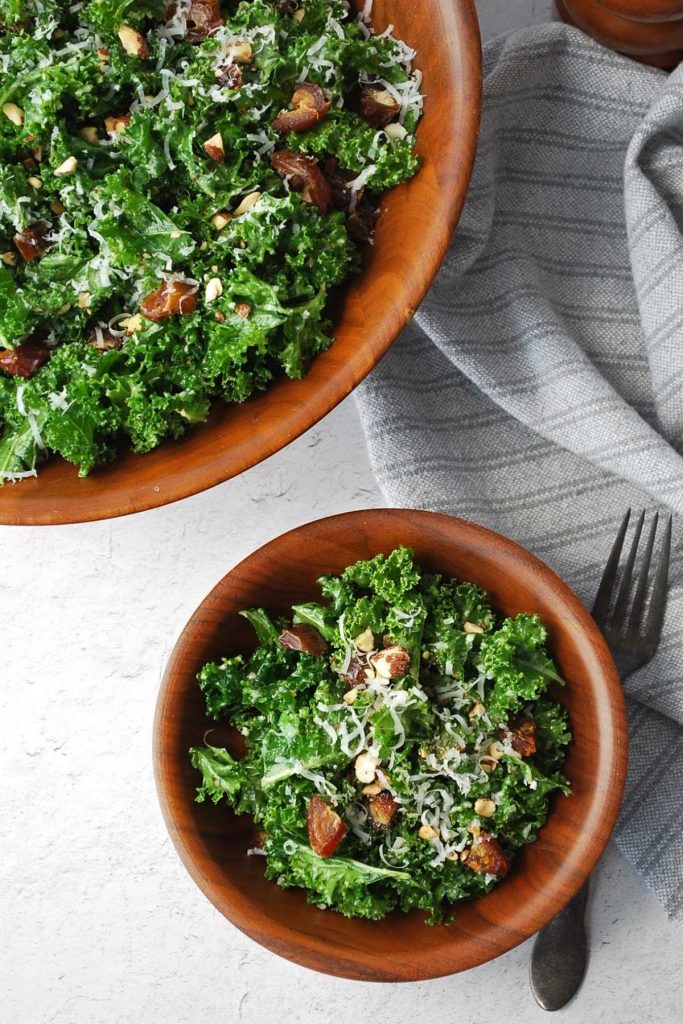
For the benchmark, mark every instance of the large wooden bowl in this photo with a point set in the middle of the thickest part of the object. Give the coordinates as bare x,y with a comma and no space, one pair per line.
413,233
212,842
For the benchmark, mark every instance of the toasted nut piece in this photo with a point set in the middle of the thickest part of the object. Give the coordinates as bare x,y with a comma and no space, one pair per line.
350,696
133,323
472,627
214,148
489,764
484,808
427,832
365,642
365,767
57,208
65,308
298,15
90,134
241,52
452,855
382,809
395,130
103,55
304,175
214,289
10,259
304,638
14,113
477,710
117,123
37,153
67,167
247,204
84,300
426,655
369,673
391,663
474,828
378,106
464,855
221,220
373,789
133,43
35,182
309,108
242,309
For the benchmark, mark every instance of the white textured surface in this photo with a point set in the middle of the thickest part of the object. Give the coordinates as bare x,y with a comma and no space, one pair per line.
99,922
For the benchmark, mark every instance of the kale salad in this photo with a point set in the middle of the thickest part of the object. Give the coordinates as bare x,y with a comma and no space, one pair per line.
182,183
400,743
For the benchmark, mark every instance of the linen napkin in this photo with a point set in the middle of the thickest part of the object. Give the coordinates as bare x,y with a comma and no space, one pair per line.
539,389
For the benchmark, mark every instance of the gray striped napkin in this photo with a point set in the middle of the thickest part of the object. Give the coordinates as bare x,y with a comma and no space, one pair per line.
539,389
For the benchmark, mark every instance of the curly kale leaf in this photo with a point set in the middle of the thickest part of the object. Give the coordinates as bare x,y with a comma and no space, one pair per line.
223,776
389,576
513,657
107,15
353,888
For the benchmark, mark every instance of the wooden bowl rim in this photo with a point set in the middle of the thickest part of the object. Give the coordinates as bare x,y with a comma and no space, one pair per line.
609,763
236,438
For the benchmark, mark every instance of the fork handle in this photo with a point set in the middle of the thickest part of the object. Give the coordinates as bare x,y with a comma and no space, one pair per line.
560,954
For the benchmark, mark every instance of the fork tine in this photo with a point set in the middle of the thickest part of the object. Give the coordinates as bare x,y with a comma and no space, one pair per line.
641,590
621,605
655,617
602,598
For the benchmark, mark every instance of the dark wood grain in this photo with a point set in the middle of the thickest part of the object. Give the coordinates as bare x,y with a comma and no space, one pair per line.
649,30
413,233
212,841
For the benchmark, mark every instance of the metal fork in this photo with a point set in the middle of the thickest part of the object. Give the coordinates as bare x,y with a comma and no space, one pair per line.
560,954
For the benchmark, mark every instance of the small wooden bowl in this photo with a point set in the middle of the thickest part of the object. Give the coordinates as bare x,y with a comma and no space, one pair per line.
212,841
650,31
412,237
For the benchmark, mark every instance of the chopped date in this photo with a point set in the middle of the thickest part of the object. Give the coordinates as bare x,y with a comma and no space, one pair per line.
32,242
24,360
521,732
304,175
286,6
487,857
230,75
203,19
361,222
303,638
309,107
325,828
170,299
377,106
355,673
103,341
382,809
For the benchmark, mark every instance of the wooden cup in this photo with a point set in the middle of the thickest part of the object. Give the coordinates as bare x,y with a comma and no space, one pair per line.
650,31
